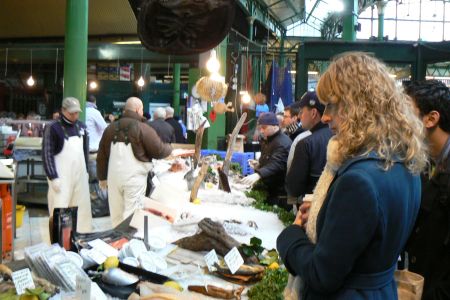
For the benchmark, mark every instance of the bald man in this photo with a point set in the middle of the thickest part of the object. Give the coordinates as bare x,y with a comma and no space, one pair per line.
124,159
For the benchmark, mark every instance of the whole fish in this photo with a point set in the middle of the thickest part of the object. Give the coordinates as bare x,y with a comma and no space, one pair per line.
116,276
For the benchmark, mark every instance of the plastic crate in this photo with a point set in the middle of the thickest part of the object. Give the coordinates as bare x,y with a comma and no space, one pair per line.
237,157
242,159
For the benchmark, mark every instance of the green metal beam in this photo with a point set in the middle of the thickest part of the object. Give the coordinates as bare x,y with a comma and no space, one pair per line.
176,88
75,55
312,10
262,13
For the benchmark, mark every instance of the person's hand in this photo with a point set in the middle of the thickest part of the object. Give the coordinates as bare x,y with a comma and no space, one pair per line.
55,185
103,184
251,179
303,213
253,163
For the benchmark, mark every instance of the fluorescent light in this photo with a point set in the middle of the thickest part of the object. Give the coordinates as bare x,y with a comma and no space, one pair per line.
393,75
128,43
313,73
437,77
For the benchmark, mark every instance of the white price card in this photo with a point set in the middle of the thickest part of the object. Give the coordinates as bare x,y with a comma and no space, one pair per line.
234,260
104,248
83,288
22,280
98,257
210,259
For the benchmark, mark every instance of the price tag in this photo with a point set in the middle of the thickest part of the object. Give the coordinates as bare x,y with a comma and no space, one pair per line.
210,259
234,260
83,288
22,280
96,256
156,181
104,248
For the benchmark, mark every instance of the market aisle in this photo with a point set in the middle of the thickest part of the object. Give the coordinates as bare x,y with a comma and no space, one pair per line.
34,229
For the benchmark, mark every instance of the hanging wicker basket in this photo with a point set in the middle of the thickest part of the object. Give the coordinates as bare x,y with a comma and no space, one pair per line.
211,90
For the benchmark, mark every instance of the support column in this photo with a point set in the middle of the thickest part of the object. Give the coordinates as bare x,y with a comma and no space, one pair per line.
250,20
283,36
176,88
380,7
301,76
217,129
75,52
350,18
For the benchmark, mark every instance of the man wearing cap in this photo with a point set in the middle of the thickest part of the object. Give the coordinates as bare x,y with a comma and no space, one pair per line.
65,157
124,160
271,167
309,156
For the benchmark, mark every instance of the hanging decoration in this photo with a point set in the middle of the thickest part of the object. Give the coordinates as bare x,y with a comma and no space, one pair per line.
184,27
210,90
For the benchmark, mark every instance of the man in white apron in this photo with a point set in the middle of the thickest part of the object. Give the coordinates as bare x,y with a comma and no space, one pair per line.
124,160
65,155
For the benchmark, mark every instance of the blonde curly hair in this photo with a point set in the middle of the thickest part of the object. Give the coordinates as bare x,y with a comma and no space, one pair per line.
375,114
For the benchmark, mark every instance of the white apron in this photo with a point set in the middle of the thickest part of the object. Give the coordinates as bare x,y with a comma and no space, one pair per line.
127,182
71,167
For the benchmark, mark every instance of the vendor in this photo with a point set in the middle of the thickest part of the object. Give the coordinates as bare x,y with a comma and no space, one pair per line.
271,167
65,154
124,159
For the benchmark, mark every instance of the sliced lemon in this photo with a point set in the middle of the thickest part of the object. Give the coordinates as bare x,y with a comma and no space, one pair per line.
174,285
196,201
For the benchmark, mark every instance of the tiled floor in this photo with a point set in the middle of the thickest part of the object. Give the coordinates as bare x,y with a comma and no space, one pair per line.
34,229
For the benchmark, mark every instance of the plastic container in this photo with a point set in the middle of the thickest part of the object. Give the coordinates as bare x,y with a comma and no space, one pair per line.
7,226
20,210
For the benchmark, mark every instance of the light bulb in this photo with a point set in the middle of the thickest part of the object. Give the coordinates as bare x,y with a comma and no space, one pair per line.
213,65
30,81
141,81
245,98
93,85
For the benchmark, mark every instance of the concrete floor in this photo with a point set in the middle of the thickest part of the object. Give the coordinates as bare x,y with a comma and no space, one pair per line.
34,229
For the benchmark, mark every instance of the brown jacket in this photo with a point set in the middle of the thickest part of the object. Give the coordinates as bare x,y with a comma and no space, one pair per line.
144,141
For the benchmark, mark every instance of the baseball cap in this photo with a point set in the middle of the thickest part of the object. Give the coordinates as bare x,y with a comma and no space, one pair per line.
268,118
310,99
71,104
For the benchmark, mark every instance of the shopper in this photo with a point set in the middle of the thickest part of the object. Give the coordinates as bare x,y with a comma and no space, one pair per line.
367,199
65,156
124,160
429,245
310,153
164,130
179,137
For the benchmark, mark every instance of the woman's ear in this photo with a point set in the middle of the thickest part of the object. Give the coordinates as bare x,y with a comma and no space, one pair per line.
431,119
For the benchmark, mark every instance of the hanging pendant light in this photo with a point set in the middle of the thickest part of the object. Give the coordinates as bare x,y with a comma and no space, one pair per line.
30,80
141,81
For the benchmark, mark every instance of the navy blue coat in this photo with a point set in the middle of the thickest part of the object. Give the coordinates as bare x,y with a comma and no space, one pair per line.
362,227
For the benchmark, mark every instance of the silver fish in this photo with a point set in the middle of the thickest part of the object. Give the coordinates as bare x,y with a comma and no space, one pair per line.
116,276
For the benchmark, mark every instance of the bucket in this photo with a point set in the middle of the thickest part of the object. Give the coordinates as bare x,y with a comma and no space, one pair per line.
20,210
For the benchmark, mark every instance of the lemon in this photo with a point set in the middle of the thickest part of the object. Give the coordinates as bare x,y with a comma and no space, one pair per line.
196,201
274,266
111,262
174,285
209,185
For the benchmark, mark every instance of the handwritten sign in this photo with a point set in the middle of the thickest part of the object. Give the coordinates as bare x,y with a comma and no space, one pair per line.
22,280
210,259
234,260
83,288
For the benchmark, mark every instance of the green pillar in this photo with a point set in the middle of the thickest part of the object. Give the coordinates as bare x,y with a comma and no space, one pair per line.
217,129
176,88
301,76
380,7
250,20
350,18
75,51
283,36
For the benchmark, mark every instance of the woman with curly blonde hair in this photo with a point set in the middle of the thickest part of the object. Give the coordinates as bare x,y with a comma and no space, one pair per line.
346,244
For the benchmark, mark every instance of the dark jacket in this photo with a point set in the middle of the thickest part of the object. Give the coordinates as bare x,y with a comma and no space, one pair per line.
55,134
179,137
272,163
144,140
429,245
363,225
309,159
165,132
